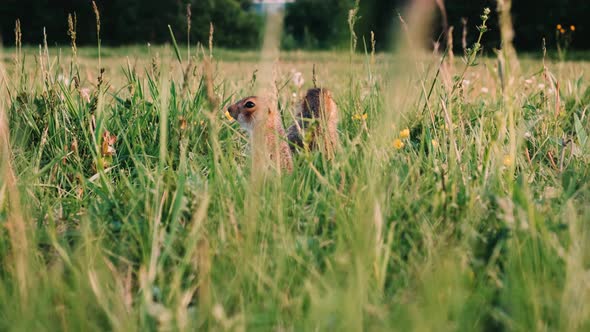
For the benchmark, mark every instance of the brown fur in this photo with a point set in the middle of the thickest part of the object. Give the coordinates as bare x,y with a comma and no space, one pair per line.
315,126
316,123
263,123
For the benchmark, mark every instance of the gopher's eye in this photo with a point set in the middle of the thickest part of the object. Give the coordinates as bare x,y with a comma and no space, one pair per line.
250,104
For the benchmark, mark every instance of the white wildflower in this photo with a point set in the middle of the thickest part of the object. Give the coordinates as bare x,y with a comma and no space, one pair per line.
298,79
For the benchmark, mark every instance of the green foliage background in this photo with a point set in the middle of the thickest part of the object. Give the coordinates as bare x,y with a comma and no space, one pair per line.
310,24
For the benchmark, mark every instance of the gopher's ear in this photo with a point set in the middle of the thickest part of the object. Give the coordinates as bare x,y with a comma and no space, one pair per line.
269,110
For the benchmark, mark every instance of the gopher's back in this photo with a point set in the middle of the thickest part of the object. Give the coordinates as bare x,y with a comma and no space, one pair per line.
316,123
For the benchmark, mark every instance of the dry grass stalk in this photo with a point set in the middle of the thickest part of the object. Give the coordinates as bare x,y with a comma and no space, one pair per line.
352,18
444,18
186,76
188,30
211,31
208,72
373,42
464,35
10,199
46,54
557,100
447,64
450,125
450,54
72,23
507,35
155,66
18,41
97,16
314,77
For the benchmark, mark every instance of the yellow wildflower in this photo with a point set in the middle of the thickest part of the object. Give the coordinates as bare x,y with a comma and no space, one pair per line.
228,116
559,27
398,144
562,31
434,143
404,133
572,27
360,116
507,161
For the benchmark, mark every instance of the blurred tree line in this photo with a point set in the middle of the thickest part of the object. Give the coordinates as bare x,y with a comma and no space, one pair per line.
308,23
323,23
132,21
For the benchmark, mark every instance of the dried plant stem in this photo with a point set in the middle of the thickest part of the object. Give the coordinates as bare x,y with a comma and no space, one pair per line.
188,31
444,18
97,15
451,56
18,42
72,23
211,31
464,34
373,43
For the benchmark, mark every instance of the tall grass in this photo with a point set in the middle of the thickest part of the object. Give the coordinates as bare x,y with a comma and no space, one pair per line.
129,202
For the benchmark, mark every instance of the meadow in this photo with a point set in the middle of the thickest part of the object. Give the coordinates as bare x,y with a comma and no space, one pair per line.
458,201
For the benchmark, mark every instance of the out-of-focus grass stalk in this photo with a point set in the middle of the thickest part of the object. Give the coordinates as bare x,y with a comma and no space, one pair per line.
176,49
18,231
504,8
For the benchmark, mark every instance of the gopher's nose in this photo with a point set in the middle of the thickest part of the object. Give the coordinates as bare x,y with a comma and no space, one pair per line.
232,110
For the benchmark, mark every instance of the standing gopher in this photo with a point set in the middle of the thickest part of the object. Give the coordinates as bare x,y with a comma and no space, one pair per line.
315,126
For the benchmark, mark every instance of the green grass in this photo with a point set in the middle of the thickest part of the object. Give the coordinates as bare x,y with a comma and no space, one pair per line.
480,221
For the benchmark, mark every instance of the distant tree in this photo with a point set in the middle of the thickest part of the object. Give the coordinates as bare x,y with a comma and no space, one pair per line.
234,25
132,21
317,24
35,15
378,17
308,23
